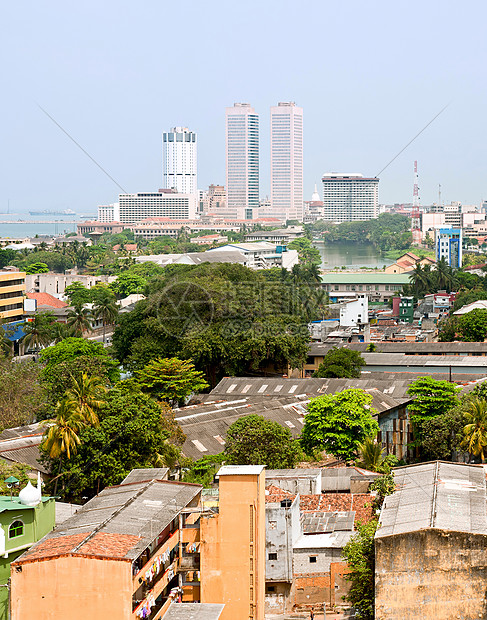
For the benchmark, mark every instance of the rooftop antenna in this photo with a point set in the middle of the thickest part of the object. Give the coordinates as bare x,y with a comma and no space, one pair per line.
439,194
415,215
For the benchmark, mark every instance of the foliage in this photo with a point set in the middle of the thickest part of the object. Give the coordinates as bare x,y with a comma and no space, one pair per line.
70,349
79,319
359,553
340,363
63,435
204,469
21,472
338,423
383,486
466,297
475,430
21,393
78,294
88,393
307,253
386,232
171,379
473,325
442,435
371,456
128,283
38,331
104,306
449,330
7,256
253,440
36,268
424,279
131,435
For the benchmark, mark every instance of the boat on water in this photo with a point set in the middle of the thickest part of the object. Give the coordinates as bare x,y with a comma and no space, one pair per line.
47,212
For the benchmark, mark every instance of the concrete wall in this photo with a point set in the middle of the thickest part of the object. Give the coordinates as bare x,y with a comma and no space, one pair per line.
305,485
324,558
279,597
431,574
71,587
282,529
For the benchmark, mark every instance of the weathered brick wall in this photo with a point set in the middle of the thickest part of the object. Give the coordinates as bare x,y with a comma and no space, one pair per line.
431,574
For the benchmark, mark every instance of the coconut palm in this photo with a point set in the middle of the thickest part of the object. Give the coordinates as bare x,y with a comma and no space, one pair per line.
105,308
88,393
38,331
79,319
475,432
62,436
419,280
371,455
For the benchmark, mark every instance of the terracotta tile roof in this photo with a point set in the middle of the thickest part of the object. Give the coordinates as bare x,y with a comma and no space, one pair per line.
102,544
276,494
45,299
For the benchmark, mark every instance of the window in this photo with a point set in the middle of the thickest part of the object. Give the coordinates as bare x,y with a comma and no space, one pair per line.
272,556
271,588
313,559
16,529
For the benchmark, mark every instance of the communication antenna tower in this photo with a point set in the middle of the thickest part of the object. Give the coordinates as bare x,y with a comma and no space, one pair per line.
415,216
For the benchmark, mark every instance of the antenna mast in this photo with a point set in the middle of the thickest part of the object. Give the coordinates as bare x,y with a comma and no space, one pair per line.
416,216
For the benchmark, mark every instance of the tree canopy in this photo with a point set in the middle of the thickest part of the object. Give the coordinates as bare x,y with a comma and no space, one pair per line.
171,379
340,363
338,423
473,325
253,440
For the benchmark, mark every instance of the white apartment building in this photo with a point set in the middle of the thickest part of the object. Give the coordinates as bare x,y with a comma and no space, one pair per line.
287,161
262,254
242,160
166,203
349,197
179,160
109,213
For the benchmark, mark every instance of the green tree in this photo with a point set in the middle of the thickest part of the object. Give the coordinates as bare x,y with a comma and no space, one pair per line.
449,329
442,435
89,395
78,294
431,398
475,430
128,283
340,363
473,325
372,456
204,469
253,440
21,395
359,553
338,423
171,379
36,268
7,256
104,306
307,253
132,434
38,331
79,319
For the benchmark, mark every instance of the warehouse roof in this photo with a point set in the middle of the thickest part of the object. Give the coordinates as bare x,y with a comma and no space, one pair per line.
447,496
120,522
401,359
368,277
414,348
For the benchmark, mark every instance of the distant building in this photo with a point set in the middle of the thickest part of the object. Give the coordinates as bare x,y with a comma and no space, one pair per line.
349,197
354,312
95,228
263,255
109,213
242,160
287,161
378,286
135,208
179,160
448,244
12,292
208,239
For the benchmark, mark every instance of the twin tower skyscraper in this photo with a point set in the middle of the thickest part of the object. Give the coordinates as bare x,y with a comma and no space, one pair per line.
242,162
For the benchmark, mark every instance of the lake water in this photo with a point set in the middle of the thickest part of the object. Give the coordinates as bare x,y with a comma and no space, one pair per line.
350,255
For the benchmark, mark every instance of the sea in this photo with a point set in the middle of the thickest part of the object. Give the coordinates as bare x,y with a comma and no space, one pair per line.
22,225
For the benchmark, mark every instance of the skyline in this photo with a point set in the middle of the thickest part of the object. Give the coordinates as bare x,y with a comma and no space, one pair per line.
97,70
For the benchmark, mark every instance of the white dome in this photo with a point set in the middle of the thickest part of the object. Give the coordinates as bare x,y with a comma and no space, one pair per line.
30,496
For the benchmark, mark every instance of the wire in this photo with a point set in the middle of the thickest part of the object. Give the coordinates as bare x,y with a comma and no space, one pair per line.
80,147
411,141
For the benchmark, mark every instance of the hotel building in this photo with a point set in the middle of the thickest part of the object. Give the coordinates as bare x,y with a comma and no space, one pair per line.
179,160
349,197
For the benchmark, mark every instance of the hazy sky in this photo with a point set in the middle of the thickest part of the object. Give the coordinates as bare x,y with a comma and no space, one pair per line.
115,74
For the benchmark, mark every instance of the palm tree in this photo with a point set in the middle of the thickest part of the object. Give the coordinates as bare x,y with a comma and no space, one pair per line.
445,277
419,280
106,309
60,331
371,455
79,319
39,331
475,432
88,394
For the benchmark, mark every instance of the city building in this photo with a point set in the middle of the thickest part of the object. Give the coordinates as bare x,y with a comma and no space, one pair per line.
287,161
448,244
137,547
313,209
96,228
378,286
242,160
354,312
431,544
109,213
12,293
215,199
279,236
56,283
349,197
407,262
263,254
179,160
167,203
208,239
24,519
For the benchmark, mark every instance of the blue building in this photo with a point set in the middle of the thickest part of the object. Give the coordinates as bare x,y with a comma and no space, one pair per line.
448,243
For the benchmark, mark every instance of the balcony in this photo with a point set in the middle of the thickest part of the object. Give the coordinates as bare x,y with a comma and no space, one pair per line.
156,590
168,546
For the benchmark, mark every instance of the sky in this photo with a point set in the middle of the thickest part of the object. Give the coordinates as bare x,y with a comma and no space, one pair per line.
115,74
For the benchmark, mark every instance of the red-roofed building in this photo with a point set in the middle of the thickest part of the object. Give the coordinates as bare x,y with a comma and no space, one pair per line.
47,300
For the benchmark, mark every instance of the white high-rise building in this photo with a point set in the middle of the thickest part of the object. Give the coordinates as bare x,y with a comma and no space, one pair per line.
287,161
349,197
109,213
179,160
165,203
242,160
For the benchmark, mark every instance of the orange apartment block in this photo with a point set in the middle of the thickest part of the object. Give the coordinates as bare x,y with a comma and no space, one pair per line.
139,549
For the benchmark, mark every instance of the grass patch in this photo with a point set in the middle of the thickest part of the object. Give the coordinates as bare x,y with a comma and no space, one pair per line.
421,252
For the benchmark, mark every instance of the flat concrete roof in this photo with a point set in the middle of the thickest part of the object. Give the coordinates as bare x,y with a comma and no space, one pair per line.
240,470
194,611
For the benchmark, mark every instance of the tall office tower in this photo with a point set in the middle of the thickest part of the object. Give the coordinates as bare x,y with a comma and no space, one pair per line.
242,155
287,161
349,197
179,160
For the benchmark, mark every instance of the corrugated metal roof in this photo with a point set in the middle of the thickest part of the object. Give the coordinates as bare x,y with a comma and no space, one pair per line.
447,496
426,348
335,540
365,278
327,522
194,611
144,475
29,455
401,359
